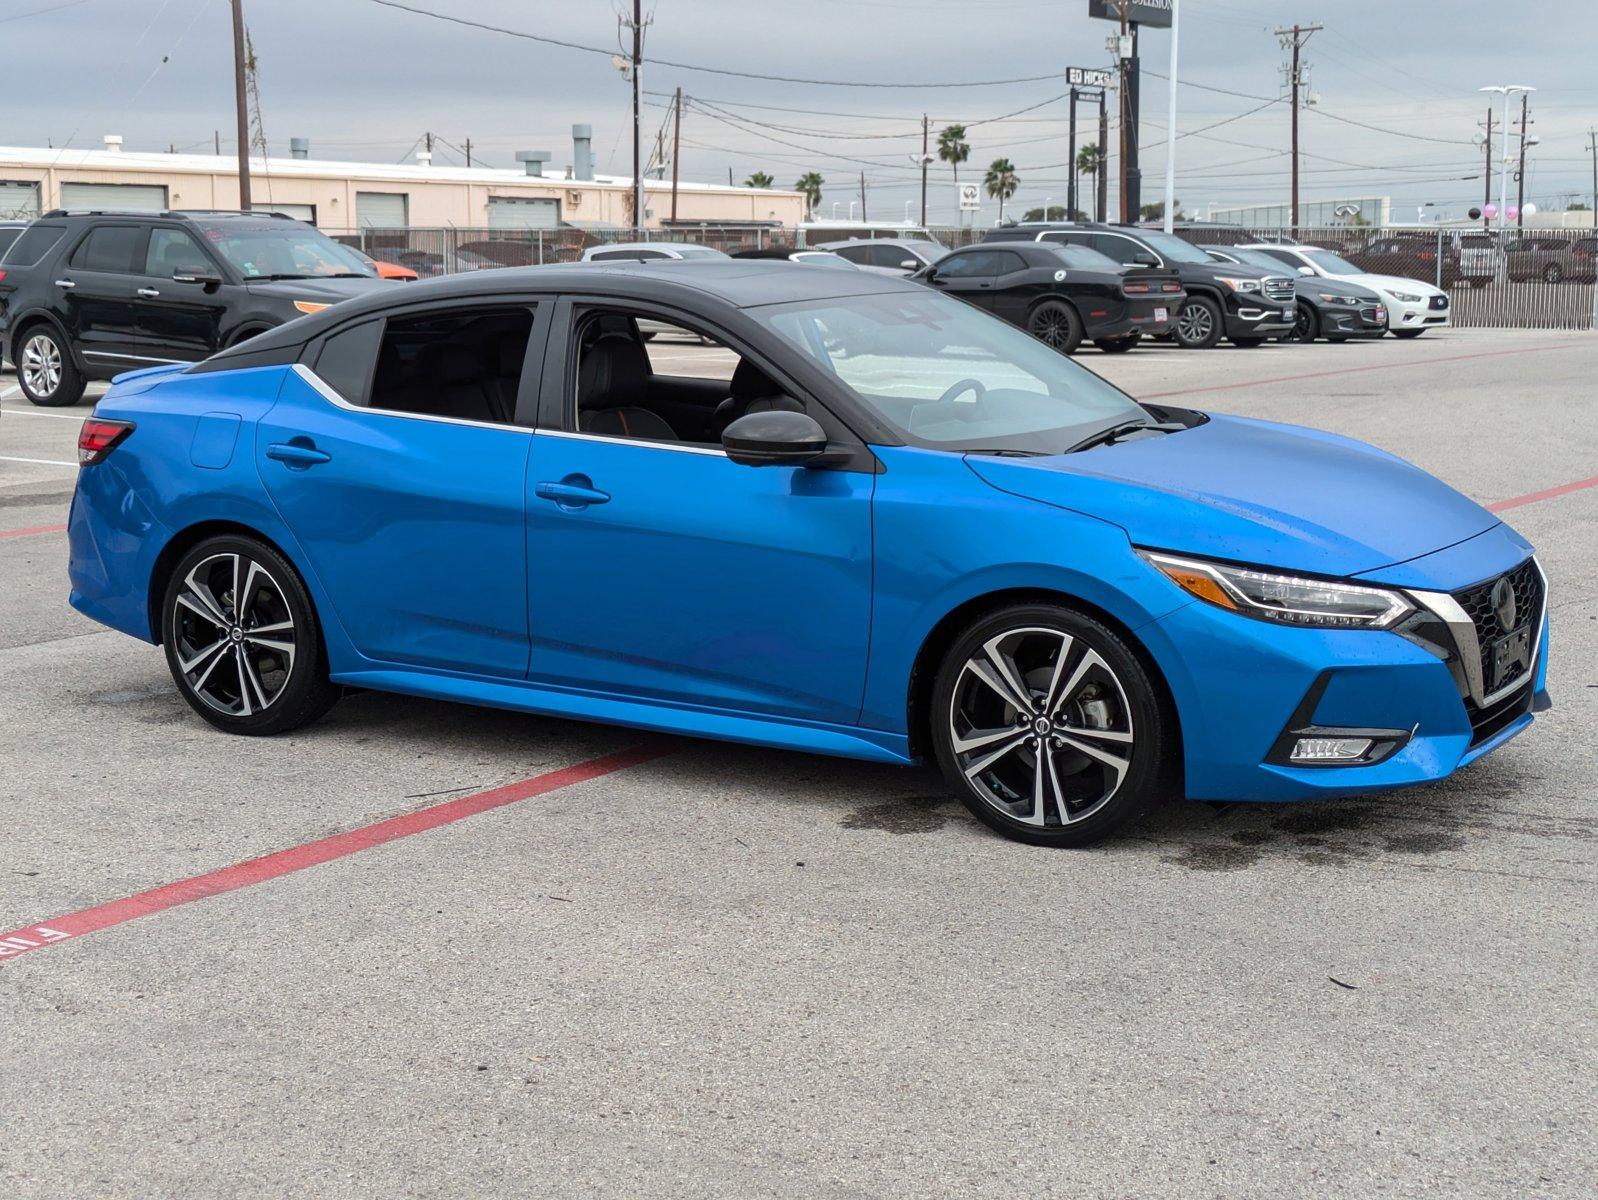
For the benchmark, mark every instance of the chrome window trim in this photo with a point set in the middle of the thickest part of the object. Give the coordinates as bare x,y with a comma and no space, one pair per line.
625,441
134,357
1463,630
322,388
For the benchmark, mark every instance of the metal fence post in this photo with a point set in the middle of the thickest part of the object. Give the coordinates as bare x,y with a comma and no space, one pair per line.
1439,281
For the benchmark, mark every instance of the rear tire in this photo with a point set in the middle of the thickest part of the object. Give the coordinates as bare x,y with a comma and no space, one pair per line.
242,639
1198,324
1118,345
1056,325
1091,745
46,372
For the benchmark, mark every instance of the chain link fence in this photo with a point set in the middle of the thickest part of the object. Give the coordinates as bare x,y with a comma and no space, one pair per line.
1527,279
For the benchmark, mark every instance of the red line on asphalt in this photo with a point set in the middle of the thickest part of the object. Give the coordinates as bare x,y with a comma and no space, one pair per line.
299,858
1564,489
1419,362
31,530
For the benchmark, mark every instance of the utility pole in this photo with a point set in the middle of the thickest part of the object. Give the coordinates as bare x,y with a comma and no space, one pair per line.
241,105
468,149
1487,173
926,129
427,139
676,142
1130,188
1520,172
1592,145
1070,165
1293,39
862,195
1102,174
637,74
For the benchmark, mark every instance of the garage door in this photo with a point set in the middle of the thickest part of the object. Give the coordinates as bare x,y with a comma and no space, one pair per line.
18,201
300,212
523,212
381,210
140,197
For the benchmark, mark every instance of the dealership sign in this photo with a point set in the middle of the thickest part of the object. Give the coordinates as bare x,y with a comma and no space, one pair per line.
1089,77
970,197
1141,12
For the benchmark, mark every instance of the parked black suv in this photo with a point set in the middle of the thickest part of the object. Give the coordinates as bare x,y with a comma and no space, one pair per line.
1249,305
88,295
1061,294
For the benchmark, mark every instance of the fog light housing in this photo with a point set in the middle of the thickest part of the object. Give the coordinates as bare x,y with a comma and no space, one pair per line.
1331,749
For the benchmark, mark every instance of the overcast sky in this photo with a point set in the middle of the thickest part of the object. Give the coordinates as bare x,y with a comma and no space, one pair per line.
364,82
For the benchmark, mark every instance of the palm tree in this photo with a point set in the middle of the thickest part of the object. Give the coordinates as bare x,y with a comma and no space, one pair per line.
953,148
1001,182
759,179
810,184
1087,163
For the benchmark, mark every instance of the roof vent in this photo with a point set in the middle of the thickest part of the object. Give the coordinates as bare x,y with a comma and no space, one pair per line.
424,158
113,142
533,160
582,151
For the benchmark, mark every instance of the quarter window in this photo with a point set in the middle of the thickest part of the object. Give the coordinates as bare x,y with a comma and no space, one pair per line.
35,241
108,248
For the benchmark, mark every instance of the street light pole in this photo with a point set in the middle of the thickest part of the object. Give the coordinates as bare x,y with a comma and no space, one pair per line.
1170,123
1505,90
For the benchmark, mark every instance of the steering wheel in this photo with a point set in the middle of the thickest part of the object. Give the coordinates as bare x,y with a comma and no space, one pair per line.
964,385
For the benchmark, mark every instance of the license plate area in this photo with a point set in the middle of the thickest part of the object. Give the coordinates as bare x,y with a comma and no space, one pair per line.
1162,314
1509,656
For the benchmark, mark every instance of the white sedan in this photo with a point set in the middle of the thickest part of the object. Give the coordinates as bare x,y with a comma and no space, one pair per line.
1412,306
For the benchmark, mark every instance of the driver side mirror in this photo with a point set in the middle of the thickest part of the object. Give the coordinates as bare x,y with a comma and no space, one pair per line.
204,276
910,264
1144,259
775,439
1307,271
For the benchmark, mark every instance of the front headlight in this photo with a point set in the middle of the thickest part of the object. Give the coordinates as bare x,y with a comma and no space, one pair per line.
1407,297
1284,599
1240,285
1334,298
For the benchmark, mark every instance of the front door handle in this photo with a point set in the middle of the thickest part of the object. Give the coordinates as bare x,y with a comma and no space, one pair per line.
572,492
65,283
149,293
300,453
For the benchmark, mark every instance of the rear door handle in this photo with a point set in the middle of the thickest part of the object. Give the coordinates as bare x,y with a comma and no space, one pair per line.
65,283
297,454
573,492
149,293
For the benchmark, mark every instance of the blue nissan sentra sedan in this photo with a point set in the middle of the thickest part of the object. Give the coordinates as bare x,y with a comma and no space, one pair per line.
903,530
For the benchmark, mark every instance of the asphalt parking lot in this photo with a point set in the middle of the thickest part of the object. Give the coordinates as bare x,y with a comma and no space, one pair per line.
640,966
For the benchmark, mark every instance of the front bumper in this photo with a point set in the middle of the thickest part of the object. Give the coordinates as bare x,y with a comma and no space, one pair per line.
1256,318
1366,320
1242,686
1403,314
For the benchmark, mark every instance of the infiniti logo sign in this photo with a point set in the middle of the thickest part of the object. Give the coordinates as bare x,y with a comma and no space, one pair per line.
1503,601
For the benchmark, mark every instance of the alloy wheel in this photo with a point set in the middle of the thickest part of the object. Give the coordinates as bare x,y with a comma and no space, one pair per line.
1195,323
1041,727
1301,325
41,365
235,635
1052,328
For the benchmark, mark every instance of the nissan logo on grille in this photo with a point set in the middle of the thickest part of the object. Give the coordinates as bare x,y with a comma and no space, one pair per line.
1502,599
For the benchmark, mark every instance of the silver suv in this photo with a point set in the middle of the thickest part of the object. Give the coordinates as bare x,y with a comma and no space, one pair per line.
887,256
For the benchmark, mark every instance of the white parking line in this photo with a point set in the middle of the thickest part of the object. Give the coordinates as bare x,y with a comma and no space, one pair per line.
39,462
29,412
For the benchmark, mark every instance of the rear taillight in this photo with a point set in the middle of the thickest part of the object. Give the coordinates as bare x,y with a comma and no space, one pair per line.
1171,287
98,438
1136,289
2,276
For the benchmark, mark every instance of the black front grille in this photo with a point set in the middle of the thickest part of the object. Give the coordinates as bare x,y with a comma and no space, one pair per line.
1439,302
1477,601
1485,722
1280,289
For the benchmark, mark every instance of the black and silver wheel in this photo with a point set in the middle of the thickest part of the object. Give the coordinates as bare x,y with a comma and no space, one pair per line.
1306,325
1198,324
1056,324
242,639
1552,273
1049,727
45,369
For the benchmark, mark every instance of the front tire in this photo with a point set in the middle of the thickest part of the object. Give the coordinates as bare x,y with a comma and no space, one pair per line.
45,370
1306,325
242,639
1049,728
1055,324
1198,324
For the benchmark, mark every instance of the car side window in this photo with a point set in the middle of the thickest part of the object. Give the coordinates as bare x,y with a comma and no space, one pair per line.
35,242
173,250
959,266
1006,261
1285,256
464,364
859,255
109,248
893,256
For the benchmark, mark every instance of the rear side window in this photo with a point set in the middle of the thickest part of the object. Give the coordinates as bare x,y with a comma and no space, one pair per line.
347,358
859,255
35,242
108,248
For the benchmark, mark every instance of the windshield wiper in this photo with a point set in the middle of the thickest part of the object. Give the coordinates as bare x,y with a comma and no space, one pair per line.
1115,432
281,275
1003,452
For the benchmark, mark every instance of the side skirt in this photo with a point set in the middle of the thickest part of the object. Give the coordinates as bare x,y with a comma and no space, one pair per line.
844,741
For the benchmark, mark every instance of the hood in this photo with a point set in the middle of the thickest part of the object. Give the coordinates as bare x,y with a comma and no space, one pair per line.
1392,283
325,291
1214,270
1342,284
1253,492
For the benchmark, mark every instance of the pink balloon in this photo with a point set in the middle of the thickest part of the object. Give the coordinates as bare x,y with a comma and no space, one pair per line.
1512,213
1490,211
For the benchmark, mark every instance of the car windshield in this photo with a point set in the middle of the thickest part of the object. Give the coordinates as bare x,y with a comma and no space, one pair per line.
820,258
1332,264
280,249
1258,258
698,252
1174,248
1084,258
946,376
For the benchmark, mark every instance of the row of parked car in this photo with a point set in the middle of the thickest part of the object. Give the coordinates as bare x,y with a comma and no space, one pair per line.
86,295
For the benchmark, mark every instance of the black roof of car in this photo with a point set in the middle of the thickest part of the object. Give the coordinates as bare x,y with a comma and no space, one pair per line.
736,283
169,214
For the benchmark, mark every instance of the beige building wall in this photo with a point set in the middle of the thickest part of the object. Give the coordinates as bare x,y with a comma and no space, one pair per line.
435,197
